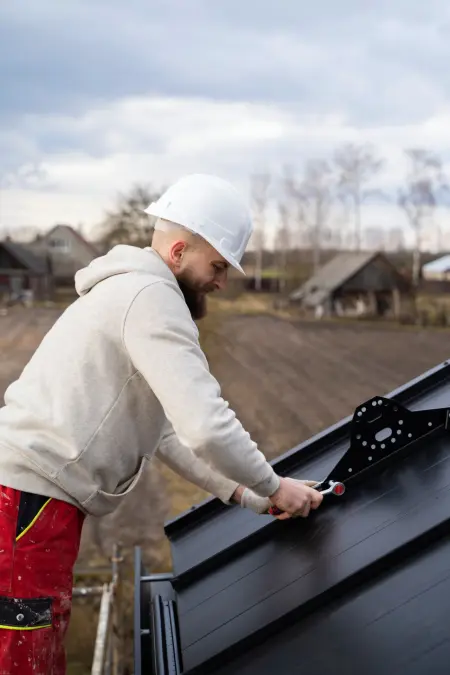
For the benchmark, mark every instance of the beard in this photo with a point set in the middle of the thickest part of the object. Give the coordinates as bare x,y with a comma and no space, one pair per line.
195,300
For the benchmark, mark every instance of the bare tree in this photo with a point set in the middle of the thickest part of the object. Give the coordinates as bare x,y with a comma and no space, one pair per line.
259,187
314,195
395,239
425,187
293,199
283,240
127,223
356,164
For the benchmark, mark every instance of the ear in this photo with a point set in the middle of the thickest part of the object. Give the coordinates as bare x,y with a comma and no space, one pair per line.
176,252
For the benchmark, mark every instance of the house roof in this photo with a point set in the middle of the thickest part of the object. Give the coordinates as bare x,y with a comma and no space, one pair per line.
439,265
75,234
332,275
23,255
329,593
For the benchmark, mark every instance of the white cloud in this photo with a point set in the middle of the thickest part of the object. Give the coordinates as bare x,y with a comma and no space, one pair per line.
101,94
155,140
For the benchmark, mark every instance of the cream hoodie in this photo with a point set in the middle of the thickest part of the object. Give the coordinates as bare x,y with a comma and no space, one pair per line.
119,377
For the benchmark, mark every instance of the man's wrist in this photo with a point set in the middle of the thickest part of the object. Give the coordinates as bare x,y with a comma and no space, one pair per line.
237,494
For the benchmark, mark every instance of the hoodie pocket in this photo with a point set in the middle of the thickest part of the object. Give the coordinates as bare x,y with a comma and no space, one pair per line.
101,502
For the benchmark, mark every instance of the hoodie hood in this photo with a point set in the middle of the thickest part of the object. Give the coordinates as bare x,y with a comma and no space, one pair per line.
121,259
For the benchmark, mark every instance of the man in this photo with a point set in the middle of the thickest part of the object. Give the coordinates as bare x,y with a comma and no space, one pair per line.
119,378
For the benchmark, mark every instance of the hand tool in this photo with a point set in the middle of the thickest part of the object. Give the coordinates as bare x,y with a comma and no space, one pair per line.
335,488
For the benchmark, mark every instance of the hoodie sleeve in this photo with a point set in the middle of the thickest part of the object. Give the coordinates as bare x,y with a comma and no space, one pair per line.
185,463
162,341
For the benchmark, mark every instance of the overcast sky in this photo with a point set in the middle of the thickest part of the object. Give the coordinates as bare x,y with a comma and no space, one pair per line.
98,94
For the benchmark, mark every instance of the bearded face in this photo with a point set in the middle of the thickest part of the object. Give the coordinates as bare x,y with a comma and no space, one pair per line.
195,300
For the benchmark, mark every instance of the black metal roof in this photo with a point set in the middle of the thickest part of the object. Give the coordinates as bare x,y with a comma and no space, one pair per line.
360,585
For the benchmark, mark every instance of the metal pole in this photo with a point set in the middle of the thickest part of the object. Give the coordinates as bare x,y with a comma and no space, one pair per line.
117,627
102,631
86,591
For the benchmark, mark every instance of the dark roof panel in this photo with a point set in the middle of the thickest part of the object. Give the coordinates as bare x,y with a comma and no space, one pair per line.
376,627
241,580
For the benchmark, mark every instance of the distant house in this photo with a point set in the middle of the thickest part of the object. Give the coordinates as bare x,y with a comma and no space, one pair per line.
355,283
67,250
437,270
22,271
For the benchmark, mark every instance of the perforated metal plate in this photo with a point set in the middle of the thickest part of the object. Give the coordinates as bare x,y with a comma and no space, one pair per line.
382,427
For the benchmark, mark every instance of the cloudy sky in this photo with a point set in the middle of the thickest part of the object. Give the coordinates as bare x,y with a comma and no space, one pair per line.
98,94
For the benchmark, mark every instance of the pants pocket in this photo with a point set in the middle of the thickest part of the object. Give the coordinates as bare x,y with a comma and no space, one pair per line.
28,641
25,613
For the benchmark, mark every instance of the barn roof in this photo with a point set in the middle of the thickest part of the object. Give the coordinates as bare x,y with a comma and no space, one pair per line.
330,593
439,265
332,275
25,257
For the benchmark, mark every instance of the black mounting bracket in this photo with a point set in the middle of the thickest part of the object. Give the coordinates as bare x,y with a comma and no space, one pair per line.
380,428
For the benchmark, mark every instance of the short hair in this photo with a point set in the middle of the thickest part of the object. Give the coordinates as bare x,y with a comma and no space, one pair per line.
168,226
162,225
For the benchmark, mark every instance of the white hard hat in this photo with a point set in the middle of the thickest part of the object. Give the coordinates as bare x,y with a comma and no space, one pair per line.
210,207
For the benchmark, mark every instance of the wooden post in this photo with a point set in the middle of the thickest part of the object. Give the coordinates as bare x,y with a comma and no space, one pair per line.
102,632
396,302
117,622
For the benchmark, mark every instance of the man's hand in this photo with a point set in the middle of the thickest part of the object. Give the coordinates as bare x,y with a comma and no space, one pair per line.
295,498
261,505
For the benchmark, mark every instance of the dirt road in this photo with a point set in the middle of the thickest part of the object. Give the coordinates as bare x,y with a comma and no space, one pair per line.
21,330
288,381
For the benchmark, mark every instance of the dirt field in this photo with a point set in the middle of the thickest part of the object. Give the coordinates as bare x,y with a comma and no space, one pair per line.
286,381
20,333
289,380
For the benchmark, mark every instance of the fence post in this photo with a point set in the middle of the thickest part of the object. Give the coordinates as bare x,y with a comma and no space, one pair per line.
117,618
102,631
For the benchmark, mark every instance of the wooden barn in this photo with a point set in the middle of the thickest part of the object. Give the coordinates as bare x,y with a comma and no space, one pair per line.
355,284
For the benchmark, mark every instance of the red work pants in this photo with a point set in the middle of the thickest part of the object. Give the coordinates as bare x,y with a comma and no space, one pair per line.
39,544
